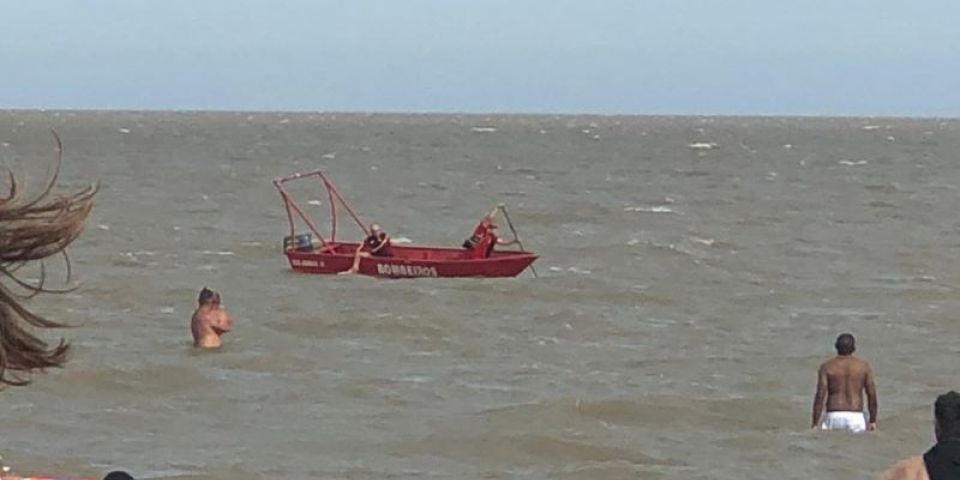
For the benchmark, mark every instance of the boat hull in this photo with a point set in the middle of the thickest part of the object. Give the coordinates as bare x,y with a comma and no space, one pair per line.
410,261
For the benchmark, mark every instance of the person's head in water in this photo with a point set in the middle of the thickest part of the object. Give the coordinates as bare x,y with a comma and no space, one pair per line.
208,297
946,411
118,475
845,344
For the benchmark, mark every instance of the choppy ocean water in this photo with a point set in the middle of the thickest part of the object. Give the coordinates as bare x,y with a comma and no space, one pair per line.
694,272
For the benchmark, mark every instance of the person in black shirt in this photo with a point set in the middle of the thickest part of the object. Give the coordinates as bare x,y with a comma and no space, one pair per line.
942,461
376,244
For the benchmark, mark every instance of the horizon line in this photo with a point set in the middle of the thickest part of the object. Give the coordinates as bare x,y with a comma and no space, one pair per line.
477,113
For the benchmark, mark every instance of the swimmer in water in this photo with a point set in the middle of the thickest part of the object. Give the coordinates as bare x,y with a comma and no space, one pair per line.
841,382
209,321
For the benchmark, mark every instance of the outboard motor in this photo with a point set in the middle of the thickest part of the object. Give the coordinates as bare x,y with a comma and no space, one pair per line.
301,243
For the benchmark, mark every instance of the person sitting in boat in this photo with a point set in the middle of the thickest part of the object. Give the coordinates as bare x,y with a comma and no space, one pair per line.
376,244
480,231
490,240
484,237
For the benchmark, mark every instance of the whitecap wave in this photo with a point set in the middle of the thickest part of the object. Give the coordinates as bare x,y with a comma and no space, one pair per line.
704,241
653,209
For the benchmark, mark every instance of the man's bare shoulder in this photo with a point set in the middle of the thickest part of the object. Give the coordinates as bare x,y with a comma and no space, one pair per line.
825,365
845,364
859,364
202,315
830,365
911,468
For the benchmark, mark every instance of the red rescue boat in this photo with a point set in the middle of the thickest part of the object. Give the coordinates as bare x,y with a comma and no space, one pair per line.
310,251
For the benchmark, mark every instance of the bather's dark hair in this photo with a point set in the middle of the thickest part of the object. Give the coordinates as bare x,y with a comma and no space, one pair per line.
31,229
206,296
118,475
845,344
946,411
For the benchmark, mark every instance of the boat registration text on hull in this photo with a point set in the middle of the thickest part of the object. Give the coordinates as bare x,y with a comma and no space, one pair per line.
395,270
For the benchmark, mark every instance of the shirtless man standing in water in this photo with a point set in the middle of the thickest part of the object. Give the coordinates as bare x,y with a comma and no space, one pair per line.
210,321
841,381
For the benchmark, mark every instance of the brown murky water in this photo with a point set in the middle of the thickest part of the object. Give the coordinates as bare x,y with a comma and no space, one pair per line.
686,296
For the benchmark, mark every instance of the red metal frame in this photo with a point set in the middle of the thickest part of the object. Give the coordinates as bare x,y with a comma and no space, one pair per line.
333,197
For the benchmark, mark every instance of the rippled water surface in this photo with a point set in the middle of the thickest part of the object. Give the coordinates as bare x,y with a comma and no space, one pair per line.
694,272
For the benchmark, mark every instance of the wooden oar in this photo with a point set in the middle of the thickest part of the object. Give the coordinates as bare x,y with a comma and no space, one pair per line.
506,215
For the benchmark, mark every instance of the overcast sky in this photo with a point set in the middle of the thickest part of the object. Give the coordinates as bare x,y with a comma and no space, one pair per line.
807,57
